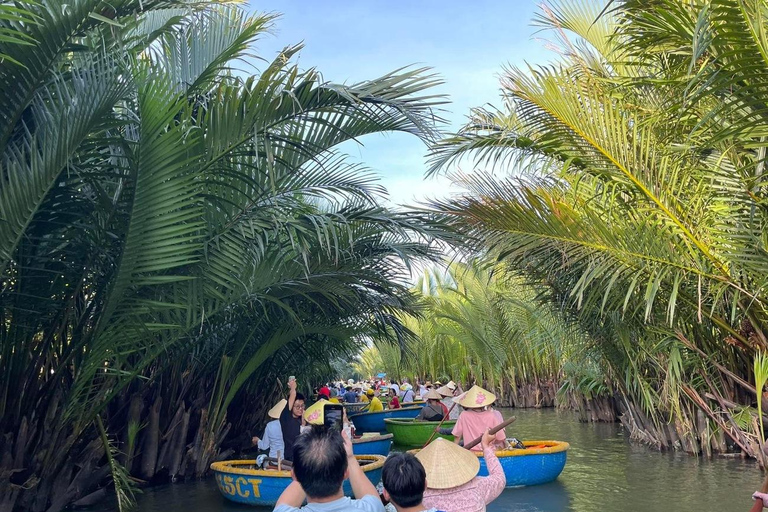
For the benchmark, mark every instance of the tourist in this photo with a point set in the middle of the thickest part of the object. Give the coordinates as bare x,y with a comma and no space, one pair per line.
350,396
363,397
452,481
394,389
407,393
433,410
394,402
449,391
375,404
423,389
323,459
404,481
273,434
477,417
291,419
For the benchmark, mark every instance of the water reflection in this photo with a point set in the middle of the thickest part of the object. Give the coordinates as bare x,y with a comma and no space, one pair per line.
604,473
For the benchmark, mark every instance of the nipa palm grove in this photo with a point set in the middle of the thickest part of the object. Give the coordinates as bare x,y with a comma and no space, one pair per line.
177,224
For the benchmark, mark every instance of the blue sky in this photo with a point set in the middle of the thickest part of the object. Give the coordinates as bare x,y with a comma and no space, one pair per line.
466,43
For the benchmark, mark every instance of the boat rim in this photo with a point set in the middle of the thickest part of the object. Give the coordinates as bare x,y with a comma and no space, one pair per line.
552,447
370,439
415,407
229,466
412,421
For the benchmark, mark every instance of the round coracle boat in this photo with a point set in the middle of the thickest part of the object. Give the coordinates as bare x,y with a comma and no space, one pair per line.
540,462
372,444
410,432
241,482
374,421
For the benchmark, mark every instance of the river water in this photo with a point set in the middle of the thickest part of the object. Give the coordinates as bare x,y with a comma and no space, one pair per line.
604,473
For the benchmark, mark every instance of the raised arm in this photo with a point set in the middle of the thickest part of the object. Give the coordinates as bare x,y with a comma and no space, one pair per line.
292,496
491,485
291,394
361,486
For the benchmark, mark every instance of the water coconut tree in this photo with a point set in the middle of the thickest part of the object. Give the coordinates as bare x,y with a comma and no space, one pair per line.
626,178
174,225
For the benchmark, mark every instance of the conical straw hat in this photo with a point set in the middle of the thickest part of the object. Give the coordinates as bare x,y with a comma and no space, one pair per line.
432,395
275,411
447,464
451,385
445,391
476,397
315,413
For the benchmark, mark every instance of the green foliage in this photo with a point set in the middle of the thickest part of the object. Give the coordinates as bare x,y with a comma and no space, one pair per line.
481,323
167,218
627,180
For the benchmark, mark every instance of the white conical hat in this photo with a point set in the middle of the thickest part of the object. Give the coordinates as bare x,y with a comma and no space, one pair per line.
275,411
447,464
445,391
432,395
476,397
451,385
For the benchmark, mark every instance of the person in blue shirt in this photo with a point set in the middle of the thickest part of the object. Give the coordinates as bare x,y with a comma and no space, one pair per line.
322,460
350,396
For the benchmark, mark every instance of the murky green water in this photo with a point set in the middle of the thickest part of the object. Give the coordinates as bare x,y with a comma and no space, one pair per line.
604,473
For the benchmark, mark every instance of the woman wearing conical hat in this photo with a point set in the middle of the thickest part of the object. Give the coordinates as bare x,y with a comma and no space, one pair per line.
452,481
273,434
477,417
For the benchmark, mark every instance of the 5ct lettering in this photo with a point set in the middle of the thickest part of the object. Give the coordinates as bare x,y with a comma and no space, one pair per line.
240,486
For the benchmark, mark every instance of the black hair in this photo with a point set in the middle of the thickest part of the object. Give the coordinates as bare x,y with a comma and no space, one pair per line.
404,479
299,396
319,462
349,388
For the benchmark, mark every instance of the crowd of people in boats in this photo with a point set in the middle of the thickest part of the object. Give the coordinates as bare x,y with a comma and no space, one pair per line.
442,476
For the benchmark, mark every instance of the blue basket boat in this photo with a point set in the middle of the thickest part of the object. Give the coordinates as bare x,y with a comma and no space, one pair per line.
540,462
372,445
374,421
240,482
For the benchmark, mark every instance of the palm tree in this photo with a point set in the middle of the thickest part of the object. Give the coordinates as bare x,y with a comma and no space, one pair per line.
635,200
476,324
169,225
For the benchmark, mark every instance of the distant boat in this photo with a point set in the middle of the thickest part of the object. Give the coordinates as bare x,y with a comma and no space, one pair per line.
374,421
239,481
540,462
376,444
409,432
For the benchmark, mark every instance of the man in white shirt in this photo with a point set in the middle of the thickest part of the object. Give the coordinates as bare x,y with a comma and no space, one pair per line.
322,460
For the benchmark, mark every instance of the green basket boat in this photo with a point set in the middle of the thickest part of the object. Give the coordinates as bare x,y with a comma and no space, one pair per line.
409,432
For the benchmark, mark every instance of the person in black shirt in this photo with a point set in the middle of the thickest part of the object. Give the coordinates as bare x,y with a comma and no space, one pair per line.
291,419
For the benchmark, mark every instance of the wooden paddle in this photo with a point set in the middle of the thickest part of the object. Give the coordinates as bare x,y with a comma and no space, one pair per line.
437,429
492,431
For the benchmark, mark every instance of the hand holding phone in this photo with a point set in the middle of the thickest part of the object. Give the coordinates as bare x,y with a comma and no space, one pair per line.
333,417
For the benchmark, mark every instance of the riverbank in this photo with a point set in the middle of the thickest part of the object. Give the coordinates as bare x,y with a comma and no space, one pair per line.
605,472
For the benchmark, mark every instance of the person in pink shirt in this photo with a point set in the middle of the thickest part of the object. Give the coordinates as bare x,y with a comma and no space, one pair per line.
477,418
451,474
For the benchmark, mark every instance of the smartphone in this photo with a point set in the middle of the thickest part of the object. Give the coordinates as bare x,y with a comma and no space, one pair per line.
291,378
333,417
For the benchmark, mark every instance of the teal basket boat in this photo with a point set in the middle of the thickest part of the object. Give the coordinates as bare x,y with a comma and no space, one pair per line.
240,482
540,462
377,444
374,421
409,432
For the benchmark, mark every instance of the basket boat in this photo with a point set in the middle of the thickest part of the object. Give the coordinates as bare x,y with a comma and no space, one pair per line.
374,421
409,432
540,462
240,482
377,444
